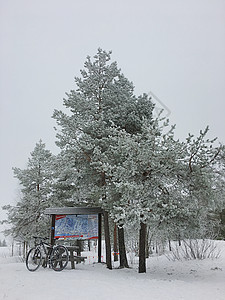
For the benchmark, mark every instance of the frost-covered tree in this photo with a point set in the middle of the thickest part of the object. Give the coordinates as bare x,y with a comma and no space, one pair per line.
102,106
3,243
143,176
27,217
166,184
119,157
205,173
197,191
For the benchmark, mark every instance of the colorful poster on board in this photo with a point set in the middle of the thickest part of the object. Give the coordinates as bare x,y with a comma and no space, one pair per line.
76,226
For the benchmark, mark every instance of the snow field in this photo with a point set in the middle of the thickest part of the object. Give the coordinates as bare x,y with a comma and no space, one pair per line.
164,280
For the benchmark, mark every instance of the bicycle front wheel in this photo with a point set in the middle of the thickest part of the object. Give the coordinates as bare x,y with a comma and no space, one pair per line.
59,258
33,259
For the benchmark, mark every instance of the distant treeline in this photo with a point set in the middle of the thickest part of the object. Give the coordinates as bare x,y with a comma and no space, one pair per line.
3,243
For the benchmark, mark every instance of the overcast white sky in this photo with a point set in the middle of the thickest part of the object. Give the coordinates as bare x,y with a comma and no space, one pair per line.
176,49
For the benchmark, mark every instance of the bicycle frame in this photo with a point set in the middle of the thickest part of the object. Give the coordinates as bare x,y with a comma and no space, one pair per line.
46,248
56,256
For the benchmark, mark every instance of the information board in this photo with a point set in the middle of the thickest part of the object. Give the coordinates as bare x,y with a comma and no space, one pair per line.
76,226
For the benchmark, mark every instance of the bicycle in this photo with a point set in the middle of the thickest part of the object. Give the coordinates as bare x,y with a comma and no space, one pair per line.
44,254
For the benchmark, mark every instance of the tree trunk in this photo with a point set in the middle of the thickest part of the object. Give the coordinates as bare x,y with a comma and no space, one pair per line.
25,251
107,241
12,248
142,244
170,248
147,250
179,240
115,244
122,249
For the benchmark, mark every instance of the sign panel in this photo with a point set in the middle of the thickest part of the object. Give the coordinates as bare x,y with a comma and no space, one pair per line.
76,226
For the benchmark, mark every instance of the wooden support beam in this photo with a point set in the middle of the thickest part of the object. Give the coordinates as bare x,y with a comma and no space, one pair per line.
99,238
52,230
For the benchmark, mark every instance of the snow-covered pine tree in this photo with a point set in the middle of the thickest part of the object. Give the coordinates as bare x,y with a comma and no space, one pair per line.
27,219
101,108
204,174
142,175
121,157
165,183
195,190
4,244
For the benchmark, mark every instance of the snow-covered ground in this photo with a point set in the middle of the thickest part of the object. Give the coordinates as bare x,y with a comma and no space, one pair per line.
164,280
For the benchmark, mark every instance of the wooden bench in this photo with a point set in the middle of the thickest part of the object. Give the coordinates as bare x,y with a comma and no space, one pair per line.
75,257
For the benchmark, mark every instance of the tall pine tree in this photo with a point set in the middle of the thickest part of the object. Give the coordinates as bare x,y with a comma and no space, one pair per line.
101,108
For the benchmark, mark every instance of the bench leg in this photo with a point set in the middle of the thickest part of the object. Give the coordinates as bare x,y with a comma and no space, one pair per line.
72,260
72,265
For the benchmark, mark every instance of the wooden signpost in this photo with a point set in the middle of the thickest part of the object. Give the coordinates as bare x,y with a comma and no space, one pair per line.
69,214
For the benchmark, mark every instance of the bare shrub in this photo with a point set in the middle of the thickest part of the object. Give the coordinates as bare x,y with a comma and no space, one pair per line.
132,249
194,249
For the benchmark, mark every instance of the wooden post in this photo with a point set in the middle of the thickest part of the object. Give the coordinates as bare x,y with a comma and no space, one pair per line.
52,230
115,244
24,249
71,257
99,238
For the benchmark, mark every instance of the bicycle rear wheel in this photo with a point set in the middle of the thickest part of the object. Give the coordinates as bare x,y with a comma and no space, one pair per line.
59,258
33,259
